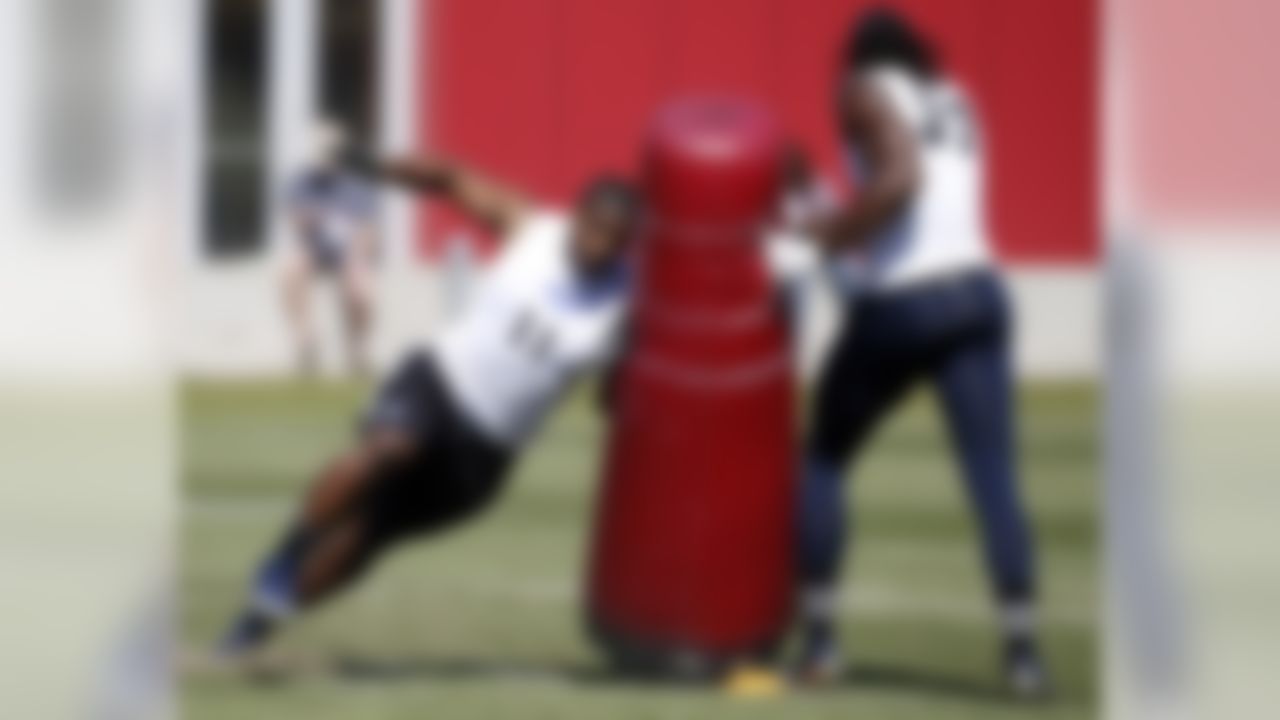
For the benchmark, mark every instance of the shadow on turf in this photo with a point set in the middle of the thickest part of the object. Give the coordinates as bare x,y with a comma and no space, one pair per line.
864,676
415,669
887,677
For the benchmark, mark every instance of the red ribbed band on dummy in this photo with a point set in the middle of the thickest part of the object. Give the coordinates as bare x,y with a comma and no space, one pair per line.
693,551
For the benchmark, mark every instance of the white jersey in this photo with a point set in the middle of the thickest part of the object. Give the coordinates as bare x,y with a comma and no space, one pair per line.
531,328
943,229
338,206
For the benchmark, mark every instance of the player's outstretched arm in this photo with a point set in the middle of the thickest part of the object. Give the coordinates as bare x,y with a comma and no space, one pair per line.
490,202
889,149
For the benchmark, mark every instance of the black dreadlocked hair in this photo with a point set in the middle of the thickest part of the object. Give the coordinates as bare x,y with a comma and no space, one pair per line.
613,194
884,36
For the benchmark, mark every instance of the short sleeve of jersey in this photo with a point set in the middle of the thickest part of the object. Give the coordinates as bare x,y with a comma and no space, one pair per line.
543,231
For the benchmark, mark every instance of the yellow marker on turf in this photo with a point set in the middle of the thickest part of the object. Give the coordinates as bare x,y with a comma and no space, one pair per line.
753,682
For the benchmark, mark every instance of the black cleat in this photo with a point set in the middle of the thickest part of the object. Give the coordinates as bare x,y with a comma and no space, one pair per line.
246,635
821,664
1024,670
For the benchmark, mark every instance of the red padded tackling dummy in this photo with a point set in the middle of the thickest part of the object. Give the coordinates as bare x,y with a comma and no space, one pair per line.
692,559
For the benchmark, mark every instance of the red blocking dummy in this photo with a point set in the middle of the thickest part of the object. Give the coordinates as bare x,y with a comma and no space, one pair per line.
693,551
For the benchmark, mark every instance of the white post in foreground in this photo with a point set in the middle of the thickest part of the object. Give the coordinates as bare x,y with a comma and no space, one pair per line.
398,45
294,32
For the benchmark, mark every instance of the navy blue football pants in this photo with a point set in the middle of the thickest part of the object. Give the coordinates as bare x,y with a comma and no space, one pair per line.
955,334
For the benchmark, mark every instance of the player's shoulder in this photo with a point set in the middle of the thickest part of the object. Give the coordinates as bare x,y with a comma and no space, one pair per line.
897,86
546,219
889,74
541,227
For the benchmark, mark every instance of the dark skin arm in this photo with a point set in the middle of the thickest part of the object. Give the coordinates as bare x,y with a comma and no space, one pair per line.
491,203
889,148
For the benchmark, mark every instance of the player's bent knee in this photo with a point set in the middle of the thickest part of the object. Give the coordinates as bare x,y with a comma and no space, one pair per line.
410,505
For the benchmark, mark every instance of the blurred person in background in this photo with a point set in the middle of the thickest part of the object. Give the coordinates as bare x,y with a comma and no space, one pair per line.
924,302
332,216
443,431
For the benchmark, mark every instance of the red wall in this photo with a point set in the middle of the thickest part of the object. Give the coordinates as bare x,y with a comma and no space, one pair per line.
548,92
